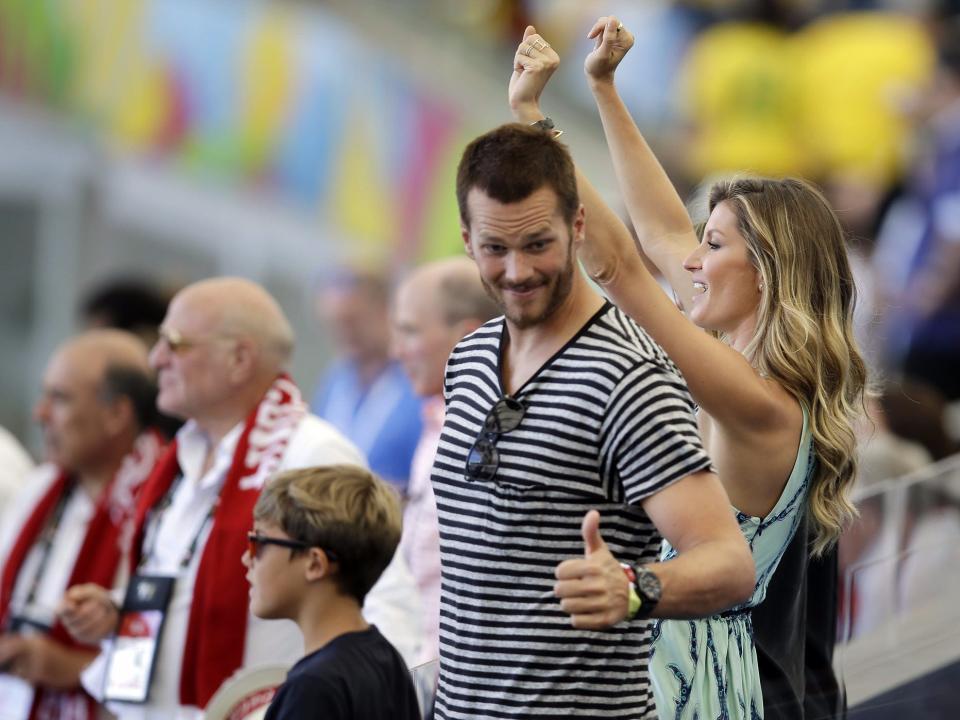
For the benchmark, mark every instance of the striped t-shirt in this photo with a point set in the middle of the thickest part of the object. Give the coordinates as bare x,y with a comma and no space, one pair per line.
608,422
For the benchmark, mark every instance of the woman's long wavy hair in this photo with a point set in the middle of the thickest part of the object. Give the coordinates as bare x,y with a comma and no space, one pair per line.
804,338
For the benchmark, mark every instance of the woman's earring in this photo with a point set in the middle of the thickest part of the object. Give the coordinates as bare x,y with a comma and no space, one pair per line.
761,287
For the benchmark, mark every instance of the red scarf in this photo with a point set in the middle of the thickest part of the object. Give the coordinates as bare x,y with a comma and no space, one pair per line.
97,561
216,631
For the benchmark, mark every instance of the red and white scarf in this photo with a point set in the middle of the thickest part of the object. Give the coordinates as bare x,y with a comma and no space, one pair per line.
97,562
216,631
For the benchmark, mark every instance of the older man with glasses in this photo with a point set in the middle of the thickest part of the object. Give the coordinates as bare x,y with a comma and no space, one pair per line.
562,408
97,411
185,626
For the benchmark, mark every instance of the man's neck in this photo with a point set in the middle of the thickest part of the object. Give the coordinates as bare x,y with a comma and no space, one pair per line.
219,421
95,480
527,349
326,619
369,369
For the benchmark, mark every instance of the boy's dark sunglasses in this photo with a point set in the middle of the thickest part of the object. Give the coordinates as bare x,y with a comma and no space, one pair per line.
483,460
256,542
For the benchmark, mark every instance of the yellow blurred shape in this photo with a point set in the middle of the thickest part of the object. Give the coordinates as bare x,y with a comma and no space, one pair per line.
267,72
108,40
140,117
737,89
361,201
852,70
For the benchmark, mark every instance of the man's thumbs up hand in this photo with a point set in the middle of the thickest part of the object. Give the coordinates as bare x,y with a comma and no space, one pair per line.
593,589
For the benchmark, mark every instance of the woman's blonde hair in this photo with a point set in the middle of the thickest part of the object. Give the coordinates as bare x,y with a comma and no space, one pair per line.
804,338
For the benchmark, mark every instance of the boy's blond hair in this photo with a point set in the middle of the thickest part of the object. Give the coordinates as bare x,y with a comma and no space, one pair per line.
344,509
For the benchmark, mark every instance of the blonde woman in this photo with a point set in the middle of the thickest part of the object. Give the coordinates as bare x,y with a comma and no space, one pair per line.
777,377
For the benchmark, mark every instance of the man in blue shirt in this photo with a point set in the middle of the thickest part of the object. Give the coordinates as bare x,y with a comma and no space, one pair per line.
364,394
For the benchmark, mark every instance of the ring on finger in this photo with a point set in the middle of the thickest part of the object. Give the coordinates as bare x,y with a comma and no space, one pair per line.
619,27
540,44
527,50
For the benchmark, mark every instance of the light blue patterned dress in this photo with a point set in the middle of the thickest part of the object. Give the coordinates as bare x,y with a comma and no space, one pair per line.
707,669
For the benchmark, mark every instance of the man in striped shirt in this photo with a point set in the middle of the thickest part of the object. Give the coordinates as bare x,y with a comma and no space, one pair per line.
562,408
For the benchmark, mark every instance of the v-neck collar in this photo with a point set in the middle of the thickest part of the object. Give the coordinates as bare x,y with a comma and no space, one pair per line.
576,336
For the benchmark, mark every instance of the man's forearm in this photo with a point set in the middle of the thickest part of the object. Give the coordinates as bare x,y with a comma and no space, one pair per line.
705,580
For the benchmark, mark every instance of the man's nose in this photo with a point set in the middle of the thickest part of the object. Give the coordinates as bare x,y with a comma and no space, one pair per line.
41,411
518,269
158,353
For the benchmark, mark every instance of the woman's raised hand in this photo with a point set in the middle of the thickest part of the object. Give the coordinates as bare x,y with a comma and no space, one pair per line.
613,41
533,64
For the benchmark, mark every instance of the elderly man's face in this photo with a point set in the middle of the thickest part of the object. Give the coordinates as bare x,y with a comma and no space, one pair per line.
71,412
191,359
422,338
358,322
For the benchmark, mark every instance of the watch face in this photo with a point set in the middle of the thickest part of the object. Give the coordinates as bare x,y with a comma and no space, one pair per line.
649,585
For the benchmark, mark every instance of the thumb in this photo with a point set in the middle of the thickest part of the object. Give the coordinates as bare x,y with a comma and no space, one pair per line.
612,24
531,30
590,529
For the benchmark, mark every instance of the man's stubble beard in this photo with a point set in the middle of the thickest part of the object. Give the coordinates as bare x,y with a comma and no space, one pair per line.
560,291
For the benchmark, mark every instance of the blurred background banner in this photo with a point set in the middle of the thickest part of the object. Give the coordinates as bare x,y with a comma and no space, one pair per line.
294,101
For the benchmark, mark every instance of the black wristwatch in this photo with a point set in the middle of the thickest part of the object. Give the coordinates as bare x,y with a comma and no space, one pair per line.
647,585
546,124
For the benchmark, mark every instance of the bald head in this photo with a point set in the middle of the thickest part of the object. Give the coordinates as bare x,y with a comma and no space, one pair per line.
94,350
241,307
434,308
98,393
223,343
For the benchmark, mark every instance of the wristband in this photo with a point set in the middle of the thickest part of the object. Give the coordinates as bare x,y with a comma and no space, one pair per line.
634,603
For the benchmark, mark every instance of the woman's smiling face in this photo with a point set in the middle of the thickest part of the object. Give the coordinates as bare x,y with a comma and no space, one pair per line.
726,282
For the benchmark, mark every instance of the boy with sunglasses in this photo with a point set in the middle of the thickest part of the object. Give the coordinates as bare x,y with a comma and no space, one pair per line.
321,538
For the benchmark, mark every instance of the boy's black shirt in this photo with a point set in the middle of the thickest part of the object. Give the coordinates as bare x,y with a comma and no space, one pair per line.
355,676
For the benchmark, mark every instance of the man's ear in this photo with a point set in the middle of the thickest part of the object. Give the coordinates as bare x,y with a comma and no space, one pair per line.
118,415
318,565
243,360
465,236
579,225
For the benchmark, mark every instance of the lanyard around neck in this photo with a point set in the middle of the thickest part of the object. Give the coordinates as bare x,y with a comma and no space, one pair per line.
46,547
155,519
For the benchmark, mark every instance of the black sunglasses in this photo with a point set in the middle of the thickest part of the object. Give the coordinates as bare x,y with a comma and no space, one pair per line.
483,460
256,542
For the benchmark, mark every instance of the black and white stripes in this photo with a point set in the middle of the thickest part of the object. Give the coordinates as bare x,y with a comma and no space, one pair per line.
608,423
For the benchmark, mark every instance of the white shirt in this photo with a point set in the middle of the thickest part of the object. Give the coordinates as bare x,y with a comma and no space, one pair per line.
390,604
16,695
15,466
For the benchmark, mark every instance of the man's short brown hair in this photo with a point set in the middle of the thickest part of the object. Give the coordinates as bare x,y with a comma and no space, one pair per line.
512,162
345,509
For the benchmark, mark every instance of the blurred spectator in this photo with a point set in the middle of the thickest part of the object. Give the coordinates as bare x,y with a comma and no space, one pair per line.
882,453
136,306
434,308
15,463
917,260
365,394
916,412
67,524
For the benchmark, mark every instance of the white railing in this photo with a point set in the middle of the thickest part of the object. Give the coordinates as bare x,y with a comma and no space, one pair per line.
900,582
